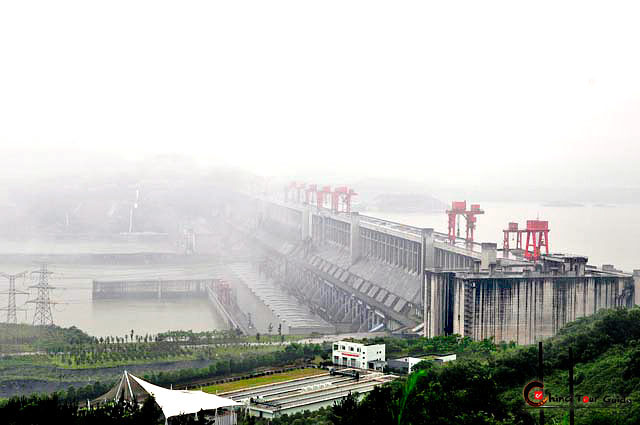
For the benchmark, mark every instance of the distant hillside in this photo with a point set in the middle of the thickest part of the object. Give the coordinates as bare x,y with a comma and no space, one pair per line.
155,199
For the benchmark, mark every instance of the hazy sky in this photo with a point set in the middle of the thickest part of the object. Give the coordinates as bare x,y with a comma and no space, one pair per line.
531,93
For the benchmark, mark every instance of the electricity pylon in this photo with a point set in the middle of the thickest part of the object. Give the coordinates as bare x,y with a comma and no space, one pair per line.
43,315
11,304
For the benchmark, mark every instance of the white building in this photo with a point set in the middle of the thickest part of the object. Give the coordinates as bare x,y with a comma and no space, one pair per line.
361,356
406,364
445,358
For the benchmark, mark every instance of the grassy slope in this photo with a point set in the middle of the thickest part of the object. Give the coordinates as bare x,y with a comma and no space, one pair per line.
606,356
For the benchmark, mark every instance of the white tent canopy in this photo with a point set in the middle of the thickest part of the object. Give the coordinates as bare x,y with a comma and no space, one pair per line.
174,402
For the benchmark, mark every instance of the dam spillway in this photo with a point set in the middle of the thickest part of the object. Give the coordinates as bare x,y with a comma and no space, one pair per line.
296,319
361,273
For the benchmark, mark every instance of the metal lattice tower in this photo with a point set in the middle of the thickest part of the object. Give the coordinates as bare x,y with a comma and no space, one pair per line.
43,315
11,303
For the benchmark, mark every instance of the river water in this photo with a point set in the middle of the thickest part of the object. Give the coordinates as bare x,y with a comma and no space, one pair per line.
73,291
606,234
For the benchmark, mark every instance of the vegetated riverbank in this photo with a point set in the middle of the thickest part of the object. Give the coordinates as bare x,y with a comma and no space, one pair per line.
48,359
484,386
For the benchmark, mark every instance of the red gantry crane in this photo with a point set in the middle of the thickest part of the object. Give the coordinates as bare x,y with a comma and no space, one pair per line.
460,208
338,200
471,219
341,199
537,238
513,228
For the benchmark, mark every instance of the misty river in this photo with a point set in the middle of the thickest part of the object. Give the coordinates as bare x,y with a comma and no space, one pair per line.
606,234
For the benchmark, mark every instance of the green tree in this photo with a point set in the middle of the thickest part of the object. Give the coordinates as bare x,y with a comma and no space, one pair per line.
345,411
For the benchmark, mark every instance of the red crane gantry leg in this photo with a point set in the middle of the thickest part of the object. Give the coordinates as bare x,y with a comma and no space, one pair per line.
341,199
457,208
513,228
537,238
471,219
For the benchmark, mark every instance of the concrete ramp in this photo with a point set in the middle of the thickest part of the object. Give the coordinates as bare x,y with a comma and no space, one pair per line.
296,319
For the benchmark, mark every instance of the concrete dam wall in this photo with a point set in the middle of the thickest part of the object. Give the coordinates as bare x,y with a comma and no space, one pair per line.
363,273
526,310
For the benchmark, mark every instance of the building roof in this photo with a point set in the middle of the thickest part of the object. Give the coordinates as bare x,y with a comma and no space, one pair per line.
305,392
171,402
366,344
408,359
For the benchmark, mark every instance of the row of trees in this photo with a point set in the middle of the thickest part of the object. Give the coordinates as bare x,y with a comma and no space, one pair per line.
54,410
98,354
206,337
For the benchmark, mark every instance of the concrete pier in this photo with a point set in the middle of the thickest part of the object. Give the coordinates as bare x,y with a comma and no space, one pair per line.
149,288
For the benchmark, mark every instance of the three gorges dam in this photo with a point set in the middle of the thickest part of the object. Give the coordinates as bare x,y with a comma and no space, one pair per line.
361,273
